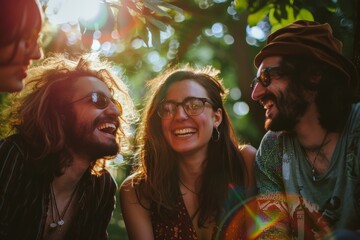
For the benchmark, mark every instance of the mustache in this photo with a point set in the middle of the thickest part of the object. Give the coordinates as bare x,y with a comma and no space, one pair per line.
269,96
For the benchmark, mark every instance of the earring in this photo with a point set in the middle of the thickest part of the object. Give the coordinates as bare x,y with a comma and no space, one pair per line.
218,135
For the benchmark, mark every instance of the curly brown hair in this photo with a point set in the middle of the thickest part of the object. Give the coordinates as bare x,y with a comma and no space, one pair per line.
35,112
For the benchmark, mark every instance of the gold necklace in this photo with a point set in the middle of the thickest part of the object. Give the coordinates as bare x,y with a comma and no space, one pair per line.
54,208
192,191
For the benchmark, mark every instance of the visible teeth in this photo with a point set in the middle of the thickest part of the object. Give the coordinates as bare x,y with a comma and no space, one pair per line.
106,125
268,104
184,131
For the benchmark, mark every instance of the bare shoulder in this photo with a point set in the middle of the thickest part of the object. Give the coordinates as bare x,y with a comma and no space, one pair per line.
135,211
248,152
128,191
127,184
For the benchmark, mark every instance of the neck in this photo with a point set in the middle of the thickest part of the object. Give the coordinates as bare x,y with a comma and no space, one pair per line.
191,168
190,173
308,131
72,174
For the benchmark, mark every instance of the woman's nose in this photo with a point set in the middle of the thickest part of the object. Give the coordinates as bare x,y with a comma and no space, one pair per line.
35,52
180,112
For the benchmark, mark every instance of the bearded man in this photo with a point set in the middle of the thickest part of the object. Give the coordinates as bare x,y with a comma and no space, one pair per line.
67,122
308,163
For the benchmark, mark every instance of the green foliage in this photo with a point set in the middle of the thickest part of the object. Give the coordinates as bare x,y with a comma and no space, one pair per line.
282,17
255,17
281,13
136,19
240,5
4,128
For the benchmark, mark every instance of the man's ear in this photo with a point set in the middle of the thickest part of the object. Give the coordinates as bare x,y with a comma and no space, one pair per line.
315,77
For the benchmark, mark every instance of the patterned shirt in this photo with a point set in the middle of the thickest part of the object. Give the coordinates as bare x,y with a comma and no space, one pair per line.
289,197
24,198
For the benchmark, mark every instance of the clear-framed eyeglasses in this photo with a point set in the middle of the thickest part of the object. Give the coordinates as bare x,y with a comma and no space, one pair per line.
192,106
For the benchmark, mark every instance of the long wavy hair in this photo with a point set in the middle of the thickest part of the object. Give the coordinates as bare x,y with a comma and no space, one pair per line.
36,112
156,175
334,94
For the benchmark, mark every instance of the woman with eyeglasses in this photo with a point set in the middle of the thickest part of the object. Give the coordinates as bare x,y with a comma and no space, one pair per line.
20,25
192,180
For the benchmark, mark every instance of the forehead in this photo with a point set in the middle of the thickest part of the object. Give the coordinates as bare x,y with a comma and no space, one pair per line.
33,19
185,88
273,61
86,84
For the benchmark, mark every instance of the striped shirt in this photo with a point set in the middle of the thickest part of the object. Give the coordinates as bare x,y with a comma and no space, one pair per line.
24,198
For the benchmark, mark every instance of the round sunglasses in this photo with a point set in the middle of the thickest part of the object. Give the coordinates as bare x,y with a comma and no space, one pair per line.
265,76
100,100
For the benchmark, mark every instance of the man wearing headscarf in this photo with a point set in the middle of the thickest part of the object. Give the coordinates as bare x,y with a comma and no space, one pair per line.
308,163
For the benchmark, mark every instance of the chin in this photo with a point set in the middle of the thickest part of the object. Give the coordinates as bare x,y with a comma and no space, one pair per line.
99,149
12,88
109,149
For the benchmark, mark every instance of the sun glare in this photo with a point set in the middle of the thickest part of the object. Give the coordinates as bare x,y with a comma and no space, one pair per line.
68,11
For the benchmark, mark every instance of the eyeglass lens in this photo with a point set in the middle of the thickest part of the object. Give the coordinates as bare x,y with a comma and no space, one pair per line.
265,76
101,101
192,106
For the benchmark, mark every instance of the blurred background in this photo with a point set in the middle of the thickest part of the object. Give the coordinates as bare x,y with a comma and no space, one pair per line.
143,37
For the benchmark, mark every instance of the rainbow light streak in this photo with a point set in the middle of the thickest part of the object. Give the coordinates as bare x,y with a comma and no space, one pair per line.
260,222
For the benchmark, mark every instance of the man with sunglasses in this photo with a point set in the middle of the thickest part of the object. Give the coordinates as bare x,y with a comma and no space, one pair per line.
308,163
67,122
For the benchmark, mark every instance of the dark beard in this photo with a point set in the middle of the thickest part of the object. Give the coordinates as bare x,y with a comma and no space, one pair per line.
96,150
280,123
291,106
82,141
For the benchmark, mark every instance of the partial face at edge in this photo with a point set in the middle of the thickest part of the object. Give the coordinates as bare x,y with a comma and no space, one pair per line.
16,57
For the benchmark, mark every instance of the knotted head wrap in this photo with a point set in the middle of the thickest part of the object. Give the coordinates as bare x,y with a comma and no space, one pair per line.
312,39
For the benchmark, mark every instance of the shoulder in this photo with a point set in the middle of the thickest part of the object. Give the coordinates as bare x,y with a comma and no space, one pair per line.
13,151
104,184
355,115
107,177
127,185
271,143
271,136
13,143
135,211
127,189
248,152
130,191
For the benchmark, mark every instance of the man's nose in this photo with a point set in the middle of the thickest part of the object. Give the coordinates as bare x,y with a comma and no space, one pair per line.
258,91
